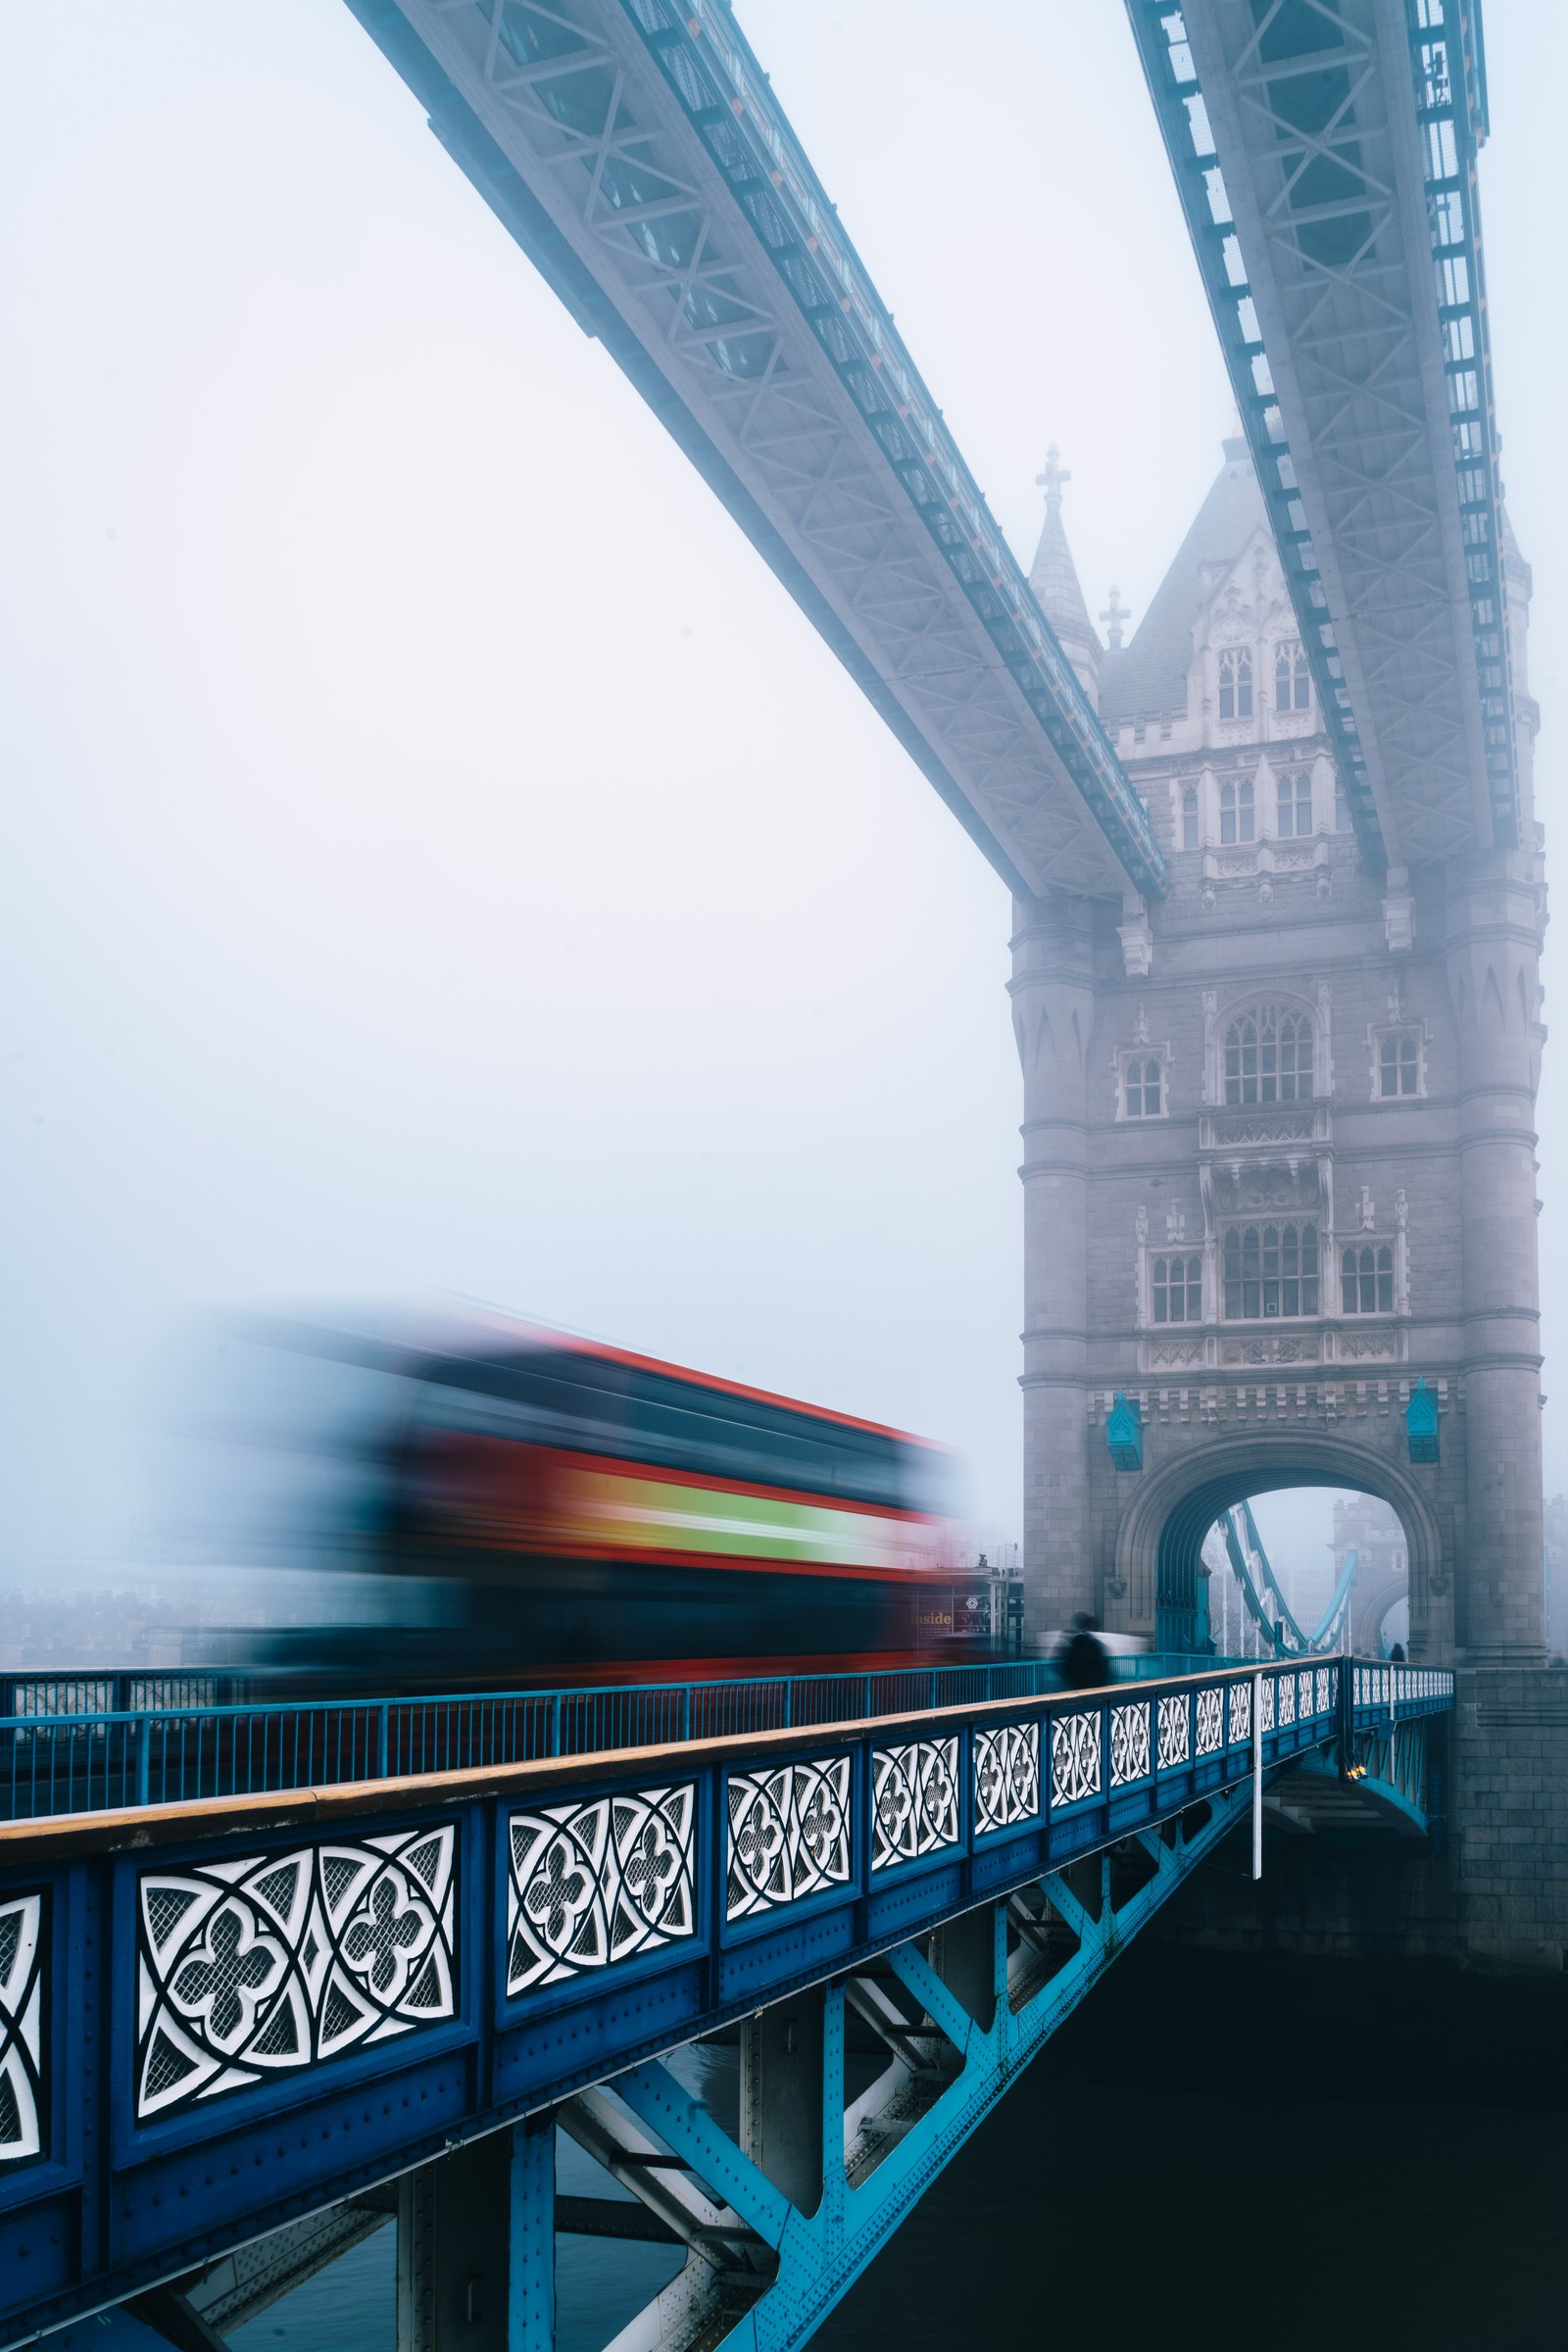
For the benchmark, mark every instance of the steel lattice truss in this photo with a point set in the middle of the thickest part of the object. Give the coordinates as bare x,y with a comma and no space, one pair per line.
1324,153
637,154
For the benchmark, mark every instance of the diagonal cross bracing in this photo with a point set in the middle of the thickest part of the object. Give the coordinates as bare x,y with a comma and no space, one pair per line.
639,156
1325,154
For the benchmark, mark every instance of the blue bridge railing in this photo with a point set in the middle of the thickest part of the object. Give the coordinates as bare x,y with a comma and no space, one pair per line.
217,2016
175,1745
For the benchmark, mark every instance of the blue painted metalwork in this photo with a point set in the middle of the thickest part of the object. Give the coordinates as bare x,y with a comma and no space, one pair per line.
1421,1423
531,2271
1390,1775
1124,1434
821,2253
61,1753
1382,1693
226,2016
1243,1545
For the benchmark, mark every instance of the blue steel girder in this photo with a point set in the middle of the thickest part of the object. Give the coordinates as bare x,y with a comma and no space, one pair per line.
1324,151
217,2016
820,2253
1388,1772
1244,1546
636,153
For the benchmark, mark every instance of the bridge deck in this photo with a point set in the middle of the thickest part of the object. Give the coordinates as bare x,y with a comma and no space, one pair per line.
223,2014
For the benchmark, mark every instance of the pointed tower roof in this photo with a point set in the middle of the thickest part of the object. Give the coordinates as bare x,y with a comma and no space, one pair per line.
1053,578
1149,676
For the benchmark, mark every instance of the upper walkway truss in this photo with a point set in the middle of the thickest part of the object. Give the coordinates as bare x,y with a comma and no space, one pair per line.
638,154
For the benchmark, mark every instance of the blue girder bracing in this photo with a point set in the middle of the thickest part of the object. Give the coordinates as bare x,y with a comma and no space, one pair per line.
820,2253
1325,156
220,2017
1384,1752
637,154
1244,1546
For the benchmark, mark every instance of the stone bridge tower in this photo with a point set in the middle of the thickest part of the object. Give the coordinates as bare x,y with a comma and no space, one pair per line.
1278,1136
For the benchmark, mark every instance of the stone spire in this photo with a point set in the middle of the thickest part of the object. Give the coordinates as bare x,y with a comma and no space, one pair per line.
1054,580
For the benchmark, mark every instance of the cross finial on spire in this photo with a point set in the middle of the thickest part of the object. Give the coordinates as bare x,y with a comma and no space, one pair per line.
1055,475
1113,615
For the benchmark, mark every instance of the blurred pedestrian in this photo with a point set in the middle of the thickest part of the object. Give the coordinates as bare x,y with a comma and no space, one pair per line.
1081,1658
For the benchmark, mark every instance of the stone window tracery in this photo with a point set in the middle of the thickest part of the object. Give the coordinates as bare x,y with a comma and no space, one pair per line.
1177,1290
1293,690
1234,812
1294,797
1268,1056
1271,1270
1236,684
1366,1279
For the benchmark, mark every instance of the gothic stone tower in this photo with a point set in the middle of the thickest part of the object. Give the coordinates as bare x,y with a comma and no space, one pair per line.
1278,1136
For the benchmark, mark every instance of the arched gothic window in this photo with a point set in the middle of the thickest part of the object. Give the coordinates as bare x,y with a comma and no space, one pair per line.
1190,817
1236,684
1366,1280
1236,812
1143,1085
1268,1056
1270,1271
1178,1290
1292,689
1295,795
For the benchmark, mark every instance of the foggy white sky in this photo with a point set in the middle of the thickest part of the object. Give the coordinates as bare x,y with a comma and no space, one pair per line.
438,858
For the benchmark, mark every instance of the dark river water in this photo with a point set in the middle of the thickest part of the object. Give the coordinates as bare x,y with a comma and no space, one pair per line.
1211,2151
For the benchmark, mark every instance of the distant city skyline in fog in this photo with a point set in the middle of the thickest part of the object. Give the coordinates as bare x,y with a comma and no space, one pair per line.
441,860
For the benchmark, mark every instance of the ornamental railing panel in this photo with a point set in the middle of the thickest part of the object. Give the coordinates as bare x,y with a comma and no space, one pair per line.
1129,1742
915,1800
789,1835
1074,1759
588,1884
277,1962
1006,1775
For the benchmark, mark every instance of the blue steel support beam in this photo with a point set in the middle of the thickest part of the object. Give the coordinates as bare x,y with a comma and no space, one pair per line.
531,2271
821,2252
638,156
1324,152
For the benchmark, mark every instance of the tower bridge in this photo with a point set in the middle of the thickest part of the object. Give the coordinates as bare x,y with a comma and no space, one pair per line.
1277,871
1278,899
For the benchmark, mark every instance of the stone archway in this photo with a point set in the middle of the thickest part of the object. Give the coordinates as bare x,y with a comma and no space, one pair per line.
1159,1539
